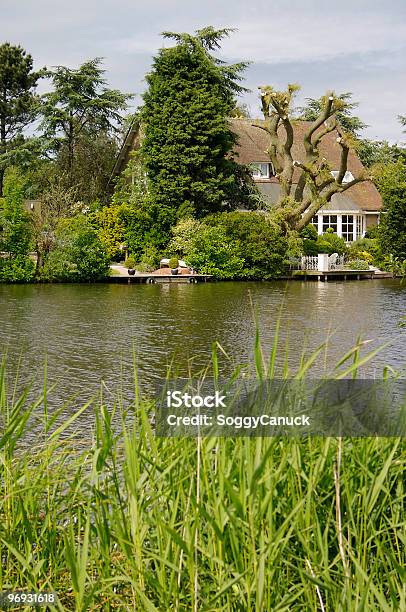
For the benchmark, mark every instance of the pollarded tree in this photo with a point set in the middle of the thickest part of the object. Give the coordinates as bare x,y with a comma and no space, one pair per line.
299,201
188,142
345,117
18,102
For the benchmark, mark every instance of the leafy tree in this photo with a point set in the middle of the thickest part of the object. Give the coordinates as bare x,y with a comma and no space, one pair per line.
18,103
188,142
391,182
299,202
80,117
345,117
110,226
15,232
78,254
91,167
379,152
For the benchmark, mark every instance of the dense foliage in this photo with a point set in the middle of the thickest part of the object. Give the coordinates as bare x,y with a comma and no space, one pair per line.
80,117
232,245
78,254
328,242
188,143
18,103
391,181
15,234
179,189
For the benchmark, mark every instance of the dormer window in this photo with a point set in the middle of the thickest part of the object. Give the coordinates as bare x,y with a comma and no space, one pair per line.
261,170
348,176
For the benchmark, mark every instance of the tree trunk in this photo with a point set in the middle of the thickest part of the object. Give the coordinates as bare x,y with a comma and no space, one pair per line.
2,151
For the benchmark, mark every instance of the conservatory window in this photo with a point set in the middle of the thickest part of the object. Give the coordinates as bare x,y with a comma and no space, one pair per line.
329,221
347,227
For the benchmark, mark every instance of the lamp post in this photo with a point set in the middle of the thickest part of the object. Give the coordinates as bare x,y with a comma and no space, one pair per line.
124,250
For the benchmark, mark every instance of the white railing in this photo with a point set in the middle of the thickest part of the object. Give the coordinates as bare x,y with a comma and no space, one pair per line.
313,262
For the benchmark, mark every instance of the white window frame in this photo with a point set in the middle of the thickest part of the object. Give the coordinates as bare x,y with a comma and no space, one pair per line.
258,175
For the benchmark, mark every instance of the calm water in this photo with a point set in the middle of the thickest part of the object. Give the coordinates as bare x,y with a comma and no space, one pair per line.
88,332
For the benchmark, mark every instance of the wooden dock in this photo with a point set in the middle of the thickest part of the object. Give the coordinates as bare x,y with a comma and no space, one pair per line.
151,279
331,275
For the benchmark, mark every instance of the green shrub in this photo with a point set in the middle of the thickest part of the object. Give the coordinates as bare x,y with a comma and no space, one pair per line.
357,264
17,269
328,243
372,232
367,249
255,245
257,241
79,255
149,260
129,262
15,221
311,247
214,253
337,244
173,263
323,246
309,232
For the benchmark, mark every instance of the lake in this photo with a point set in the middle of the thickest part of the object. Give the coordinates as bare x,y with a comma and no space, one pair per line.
88,332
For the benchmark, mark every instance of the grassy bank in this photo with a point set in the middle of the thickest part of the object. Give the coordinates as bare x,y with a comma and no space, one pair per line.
120,520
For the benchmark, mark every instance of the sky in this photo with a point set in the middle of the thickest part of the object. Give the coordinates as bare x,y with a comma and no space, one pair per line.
357,45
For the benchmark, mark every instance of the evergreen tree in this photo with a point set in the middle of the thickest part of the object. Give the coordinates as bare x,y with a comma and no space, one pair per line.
188,142
18,102
81,117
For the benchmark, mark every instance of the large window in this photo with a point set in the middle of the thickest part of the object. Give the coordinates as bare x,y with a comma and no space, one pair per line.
261,170
347,227
315,222
329,221
360,228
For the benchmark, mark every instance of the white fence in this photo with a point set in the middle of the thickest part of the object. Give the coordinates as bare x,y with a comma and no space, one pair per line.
322,263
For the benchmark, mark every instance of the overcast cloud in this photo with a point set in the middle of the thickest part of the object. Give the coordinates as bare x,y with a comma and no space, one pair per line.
357,46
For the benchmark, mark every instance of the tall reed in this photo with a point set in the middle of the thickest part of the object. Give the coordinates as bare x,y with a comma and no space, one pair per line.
122,520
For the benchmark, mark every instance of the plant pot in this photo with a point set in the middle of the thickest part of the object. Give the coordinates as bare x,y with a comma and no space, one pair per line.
131,271
174,271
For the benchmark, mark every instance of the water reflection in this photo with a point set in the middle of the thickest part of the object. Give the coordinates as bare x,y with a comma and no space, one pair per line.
88,332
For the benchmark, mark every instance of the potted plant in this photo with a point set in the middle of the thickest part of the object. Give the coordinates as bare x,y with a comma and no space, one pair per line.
130,264
173,264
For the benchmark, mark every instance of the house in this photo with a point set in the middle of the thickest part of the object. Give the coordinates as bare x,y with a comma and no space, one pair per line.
349,213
